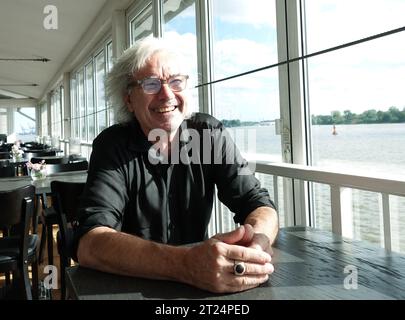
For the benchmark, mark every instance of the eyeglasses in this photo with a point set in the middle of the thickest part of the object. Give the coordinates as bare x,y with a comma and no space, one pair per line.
154,85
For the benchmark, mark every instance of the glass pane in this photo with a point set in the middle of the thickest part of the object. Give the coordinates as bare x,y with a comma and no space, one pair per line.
90,102
180,26
3,122
110,56
100,93
248,106
333,22
322,206
73,106
356,99
81,106
367,216
24,125
244,35
397,209
244,39
267,181
44,120
109,66
142,25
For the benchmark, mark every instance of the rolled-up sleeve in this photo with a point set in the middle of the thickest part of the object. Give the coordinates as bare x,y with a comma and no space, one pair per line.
106,192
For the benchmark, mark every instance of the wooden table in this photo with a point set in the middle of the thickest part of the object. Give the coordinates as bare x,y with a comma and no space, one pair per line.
309,264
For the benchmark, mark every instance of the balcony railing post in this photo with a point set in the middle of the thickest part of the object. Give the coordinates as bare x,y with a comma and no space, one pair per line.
386,221
341,209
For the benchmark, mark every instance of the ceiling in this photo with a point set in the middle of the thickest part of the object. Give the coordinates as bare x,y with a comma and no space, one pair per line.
23,36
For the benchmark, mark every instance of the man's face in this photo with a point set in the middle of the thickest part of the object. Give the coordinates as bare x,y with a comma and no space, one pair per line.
164,110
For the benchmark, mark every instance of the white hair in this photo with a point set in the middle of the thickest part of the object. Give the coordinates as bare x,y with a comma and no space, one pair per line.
132,60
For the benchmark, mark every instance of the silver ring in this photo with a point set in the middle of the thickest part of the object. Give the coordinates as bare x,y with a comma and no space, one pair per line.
239,268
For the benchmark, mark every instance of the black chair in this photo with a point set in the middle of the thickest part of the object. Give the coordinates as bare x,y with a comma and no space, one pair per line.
7,171
38,153
5,155
49,214
65,200
51,159
18,248
64,167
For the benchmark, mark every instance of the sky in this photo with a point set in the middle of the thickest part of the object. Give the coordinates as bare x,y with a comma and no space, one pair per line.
367,76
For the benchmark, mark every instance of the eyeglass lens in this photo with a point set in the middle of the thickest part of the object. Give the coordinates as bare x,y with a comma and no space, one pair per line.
152,85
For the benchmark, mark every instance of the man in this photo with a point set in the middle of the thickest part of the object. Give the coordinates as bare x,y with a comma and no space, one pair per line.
137,212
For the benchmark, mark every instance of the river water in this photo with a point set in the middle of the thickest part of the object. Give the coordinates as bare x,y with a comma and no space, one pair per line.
368,149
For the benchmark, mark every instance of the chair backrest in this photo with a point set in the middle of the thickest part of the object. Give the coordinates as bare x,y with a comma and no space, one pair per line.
7,171
50,159
66,199
38,153
66,196
5,155
11,205
64,167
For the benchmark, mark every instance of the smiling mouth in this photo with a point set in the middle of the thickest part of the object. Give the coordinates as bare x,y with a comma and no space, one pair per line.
165,109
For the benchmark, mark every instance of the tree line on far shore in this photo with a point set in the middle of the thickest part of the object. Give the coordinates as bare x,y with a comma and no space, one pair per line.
393,115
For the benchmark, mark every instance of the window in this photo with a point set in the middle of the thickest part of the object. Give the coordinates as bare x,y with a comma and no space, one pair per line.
56,113
245,39
24,124
109,66
241,31
141,26
180,26
89,112
100,92
356,101
90,102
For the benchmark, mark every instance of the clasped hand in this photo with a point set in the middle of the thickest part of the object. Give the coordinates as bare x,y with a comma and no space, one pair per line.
210,265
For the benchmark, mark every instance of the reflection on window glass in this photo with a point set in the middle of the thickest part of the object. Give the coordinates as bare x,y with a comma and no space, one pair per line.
180,28
356,98
142,25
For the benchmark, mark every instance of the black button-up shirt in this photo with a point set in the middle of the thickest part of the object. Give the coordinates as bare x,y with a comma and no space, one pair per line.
168,203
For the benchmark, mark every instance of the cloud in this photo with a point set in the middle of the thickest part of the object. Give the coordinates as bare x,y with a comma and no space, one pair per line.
233,56
334,22
362,77
253,12
365,76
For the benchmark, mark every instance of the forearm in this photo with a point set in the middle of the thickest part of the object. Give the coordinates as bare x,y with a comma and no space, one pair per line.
264,220
107,250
